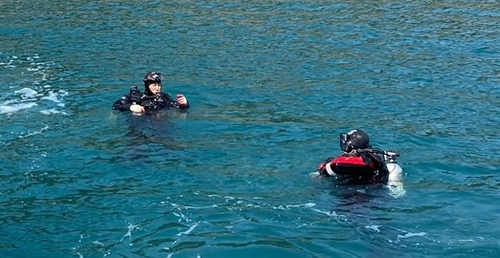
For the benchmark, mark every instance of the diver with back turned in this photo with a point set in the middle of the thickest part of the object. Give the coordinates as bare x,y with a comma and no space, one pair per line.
362,164
152,98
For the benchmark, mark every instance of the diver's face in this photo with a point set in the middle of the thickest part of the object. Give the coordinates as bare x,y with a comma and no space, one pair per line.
155,88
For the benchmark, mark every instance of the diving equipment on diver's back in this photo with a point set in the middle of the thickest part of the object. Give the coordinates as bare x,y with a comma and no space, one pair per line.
354,166
395,180
395,171
135,94
364,166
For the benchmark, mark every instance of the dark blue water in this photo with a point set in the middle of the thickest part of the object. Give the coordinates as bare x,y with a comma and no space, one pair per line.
271,84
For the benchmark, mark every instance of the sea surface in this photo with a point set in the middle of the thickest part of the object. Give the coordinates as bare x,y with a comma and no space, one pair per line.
271,85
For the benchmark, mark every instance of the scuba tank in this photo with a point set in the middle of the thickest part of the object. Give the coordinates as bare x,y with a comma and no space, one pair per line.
389,158
149,102
395,181
135,95
395,171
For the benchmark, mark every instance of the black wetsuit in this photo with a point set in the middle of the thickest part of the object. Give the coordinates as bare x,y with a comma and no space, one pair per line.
374,170
149,102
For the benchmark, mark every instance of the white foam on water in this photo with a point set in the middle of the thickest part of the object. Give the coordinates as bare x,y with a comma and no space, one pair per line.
31,133
373,227
396,189
327,213
131,227
27,98
8,109
34,72
410,234
52,97
50,111
189,230
200,207
26,93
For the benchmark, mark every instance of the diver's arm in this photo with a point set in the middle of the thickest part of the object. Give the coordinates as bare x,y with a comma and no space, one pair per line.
322,167
137,108
123,104
180,103
126,104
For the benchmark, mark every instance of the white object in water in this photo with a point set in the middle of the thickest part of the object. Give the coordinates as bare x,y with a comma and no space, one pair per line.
395,172
395,182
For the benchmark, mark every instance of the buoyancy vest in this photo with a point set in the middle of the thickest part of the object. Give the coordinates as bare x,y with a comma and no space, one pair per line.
157,102
153,102
149,102
366,168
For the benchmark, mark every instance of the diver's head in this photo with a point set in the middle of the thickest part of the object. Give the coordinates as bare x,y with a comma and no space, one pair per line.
152,83
355,139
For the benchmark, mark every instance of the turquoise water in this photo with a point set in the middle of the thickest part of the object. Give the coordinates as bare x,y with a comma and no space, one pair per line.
271,84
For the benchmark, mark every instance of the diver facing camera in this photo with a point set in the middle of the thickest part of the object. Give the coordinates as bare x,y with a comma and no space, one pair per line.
151,99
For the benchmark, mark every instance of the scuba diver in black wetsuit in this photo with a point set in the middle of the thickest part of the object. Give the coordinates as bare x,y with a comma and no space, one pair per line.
360,163
152,98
